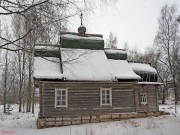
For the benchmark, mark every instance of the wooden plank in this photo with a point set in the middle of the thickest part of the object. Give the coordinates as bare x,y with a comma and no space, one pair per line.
87,95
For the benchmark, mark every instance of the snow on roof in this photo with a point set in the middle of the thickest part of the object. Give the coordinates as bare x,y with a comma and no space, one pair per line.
155,83
142,67
46,47
122,69
47,68
112,51
71,36
85,64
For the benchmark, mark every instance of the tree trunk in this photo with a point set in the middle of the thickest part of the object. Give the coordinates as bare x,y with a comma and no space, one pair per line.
5,81
5,90
23,93
20,101
164,96
33,100
29,85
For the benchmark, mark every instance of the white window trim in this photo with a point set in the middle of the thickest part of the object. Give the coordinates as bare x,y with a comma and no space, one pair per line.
144,103
66,102
110,90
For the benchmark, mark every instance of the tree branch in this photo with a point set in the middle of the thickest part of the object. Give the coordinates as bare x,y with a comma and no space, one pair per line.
9,12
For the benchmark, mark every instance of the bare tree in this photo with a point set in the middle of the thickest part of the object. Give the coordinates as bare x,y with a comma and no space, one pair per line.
9,7
136,55
33,22
153,57
62,10
8,78
5,80
111,42
167,42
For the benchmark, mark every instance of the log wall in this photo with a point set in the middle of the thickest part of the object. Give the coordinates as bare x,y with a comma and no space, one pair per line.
84,99
152,101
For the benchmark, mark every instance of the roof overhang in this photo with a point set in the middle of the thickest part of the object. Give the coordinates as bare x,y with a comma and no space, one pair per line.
150,83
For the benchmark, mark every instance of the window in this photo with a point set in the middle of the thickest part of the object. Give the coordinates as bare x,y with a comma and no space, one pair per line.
143,99
36,92
61,97
105,97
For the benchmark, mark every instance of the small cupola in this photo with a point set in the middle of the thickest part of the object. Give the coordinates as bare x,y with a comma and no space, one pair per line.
82,28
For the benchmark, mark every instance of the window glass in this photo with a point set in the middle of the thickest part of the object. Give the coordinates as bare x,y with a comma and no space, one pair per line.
61,98
143,99
106,97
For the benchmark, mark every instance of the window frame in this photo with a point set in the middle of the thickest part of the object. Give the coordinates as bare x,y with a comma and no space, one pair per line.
144,99
66,97
110,97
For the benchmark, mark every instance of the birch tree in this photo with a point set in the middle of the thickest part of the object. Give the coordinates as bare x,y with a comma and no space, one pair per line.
167,42
111,42
34,22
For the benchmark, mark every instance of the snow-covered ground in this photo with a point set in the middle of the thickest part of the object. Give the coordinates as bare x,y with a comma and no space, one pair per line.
25,124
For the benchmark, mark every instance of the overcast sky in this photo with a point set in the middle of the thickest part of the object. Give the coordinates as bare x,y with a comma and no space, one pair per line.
133,21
